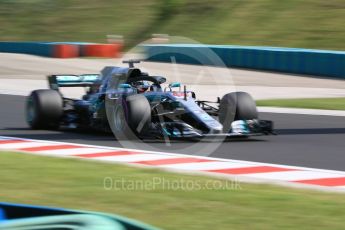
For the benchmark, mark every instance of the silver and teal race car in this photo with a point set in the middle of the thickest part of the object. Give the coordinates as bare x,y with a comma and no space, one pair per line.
134,104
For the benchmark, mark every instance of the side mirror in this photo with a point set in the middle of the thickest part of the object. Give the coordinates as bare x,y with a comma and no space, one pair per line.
174,84
125,86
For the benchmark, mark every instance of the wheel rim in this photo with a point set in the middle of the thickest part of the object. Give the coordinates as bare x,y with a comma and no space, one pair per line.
30,111
119,118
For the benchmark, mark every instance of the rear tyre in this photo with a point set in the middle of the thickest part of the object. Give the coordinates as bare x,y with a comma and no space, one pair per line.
44,109
131,117
236,106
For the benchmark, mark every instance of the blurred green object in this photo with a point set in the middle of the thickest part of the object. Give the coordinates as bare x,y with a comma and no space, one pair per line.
292,23
279,59
72,222
308,103
28,217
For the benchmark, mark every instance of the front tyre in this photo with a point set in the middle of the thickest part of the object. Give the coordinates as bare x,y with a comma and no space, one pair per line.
130,116
236,106
44,109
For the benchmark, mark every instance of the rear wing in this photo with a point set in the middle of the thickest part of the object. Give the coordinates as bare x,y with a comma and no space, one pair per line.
70,80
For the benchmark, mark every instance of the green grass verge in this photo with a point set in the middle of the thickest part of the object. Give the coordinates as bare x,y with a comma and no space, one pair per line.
308,103
293,23
79,184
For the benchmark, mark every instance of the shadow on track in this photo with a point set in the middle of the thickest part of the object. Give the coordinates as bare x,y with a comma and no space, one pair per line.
310,131
72,134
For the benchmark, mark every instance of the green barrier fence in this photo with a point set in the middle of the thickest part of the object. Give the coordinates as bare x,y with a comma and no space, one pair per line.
287,60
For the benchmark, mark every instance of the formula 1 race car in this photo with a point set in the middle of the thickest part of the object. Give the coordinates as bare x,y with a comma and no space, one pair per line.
134,104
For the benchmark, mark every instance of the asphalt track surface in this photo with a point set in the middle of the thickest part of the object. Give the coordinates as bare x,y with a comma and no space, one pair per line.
303,140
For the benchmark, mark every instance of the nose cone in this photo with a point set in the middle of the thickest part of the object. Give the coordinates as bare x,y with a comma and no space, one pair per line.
215,127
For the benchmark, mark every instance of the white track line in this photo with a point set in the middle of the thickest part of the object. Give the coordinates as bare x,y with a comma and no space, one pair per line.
24,145
73,151
294,175
340,187
205,166
134,157
322,112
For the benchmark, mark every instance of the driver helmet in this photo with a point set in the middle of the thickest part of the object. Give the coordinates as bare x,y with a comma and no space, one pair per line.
141,86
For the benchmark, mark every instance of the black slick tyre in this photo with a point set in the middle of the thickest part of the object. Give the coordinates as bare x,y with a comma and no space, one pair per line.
236,106
44,109
130,117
